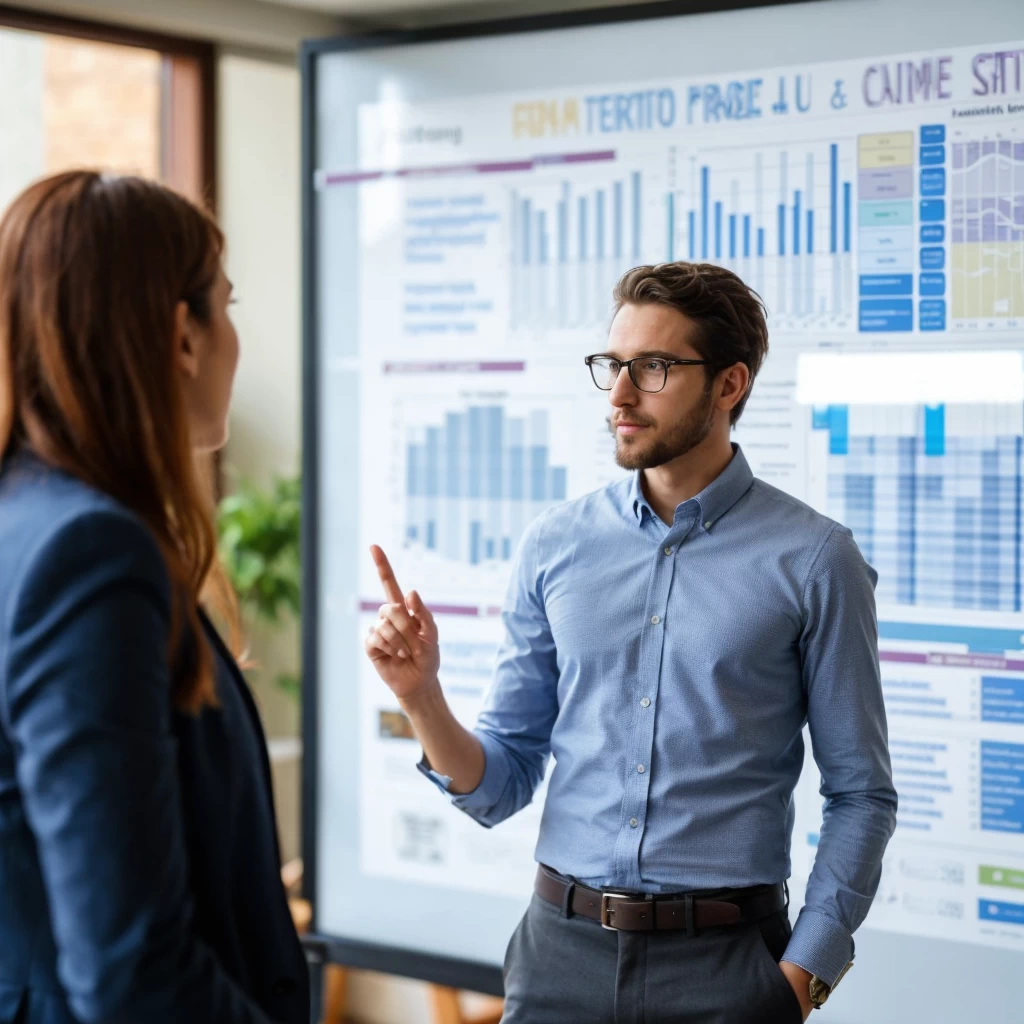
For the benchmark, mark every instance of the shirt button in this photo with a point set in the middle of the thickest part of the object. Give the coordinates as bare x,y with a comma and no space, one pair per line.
707,525
645,702
640,768
668,551
655,619
633,823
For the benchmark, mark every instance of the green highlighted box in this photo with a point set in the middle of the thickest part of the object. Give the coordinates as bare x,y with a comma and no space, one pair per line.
1008,878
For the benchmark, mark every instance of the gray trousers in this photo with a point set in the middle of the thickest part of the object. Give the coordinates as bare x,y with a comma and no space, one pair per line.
562,969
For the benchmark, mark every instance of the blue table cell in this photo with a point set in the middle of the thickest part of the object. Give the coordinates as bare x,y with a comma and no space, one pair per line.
886,284
931,314
886,315
933,181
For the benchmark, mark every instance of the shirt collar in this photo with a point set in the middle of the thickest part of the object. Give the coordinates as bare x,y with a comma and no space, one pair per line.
715,500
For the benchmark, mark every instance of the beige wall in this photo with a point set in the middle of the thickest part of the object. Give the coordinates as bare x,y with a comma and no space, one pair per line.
258,158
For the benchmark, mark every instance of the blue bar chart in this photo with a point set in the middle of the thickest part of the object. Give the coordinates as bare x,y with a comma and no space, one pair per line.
935,506
570,241
780,217
475,480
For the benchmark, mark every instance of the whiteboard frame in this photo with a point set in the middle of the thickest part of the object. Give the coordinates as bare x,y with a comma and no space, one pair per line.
473,976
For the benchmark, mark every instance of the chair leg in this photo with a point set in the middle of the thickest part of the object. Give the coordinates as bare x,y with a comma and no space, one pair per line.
445,1005
336,983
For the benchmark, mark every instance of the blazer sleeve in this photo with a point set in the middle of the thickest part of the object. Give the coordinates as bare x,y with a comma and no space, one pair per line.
85,697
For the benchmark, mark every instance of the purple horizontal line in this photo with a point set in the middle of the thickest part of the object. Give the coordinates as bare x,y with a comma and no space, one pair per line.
435,609
441,170
903,656
485,167
455,367
352,177
987,661
596,156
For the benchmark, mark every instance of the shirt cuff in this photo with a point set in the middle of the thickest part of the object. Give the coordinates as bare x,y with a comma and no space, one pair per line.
481,801
819,945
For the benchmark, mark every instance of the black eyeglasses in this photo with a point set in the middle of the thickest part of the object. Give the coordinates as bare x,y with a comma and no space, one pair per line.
648,373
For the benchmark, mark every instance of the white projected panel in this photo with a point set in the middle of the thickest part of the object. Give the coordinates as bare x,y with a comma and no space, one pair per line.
475,202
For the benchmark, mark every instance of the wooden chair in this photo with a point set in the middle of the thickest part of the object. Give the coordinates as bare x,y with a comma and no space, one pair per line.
446,1006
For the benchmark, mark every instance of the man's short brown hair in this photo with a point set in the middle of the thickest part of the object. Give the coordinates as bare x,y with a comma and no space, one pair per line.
730,316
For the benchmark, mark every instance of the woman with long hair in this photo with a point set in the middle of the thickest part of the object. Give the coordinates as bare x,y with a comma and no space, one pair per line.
139,865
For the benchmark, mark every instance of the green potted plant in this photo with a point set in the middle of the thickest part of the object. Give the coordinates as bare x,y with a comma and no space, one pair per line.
258,531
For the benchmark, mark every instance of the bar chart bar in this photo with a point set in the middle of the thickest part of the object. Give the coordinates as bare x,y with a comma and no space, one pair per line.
570,243
789,248
475,482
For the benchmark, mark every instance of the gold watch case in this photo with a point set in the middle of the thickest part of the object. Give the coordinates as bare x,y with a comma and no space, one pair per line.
820,991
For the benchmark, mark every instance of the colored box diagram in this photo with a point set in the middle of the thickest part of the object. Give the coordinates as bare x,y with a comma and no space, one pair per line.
885,220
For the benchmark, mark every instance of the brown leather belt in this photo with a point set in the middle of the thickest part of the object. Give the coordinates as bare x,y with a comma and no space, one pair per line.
629,912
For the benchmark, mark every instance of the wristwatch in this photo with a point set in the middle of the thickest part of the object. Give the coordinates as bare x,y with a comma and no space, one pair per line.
820,991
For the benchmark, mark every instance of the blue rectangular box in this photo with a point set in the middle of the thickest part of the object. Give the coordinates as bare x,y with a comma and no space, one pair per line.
999,910
931,156
839,430
933,233
886,284
932,133
931,315
935,430
933,209
1002,699
886,315
931,284
820,418
933,181
933,257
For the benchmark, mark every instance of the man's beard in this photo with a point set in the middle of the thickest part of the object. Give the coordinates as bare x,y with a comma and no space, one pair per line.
684,437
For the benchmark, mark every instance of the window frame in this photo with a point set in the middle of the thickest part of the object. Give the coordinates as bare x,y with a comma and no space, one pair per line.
188,102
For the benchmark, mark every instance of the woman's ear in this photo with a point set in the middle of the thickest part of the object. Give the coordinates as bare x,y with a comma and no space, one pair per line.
186,355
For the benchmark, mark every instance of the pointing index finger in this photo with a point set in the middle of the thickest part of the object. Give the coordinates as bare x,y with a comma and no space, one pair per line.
392,591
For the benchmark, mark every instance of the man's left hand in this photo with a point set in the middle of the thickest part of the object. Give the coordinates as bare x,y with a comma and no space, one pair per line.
800,981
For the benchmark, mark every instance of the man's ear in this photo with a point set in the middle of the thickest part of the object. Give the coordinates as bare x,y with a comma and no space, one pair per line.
735,383
186,356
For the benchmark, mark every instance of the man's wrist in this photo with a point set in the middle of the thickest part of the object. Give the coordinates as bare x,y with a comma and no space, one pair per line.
800,981
422,700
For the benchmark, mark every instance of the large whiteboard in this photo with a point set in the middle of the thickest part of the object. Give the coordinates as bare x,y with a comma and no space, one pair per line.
470,202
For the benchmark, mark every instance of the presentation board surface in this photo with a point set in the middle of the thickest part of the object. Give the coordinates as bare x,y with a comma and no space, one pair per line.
470,203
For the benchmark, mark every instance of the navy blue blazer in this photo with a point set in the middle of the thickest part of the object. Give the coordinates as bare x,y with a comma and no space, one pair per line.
139,867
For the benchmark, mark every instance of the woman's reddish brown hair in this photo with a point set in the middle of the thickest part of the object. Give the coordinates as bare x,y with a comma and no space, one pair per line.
91,270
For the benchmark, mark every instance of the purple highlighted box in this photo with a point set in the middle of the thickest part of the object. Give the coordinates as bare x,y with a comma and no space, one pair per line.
897,183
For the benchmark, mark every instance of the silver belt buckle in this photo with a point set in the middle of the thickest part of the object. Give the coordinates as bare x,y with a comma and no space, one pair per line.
607,911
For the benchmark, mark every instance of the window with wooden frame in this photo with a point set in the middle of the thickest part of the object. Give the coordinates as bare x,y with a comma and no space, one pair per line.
82,94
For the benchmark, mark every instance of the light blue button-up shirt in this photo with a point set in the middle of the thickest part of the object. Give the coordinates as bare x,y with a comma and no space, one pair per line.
669,670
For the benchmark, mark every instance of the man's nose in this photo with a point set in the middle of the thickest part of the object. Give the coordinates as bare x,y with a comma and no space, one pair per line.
623,391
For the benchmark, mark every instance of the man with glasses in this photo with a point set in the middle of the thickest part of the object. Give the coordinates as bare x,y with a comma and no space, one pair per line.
667,638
